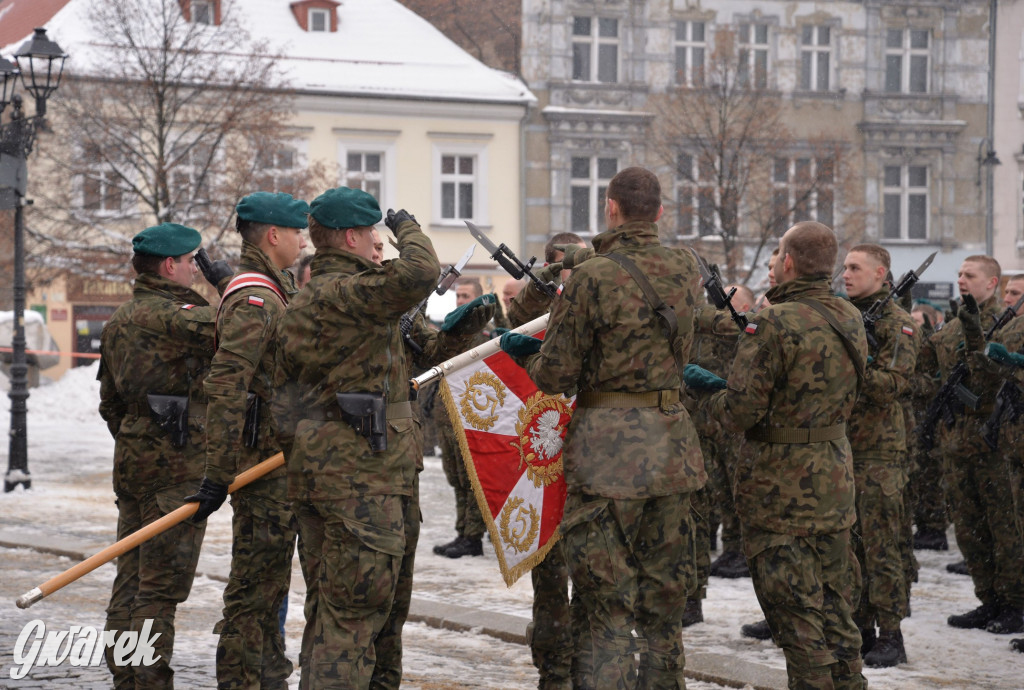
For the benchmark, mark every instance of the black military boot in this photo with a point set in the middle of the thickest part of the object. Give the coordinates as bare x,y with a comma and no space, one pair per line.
978,618
465,546
888,650
868,637
693,613
1017,645
958,568
1009,620
439,549
731,564
931,539
759,630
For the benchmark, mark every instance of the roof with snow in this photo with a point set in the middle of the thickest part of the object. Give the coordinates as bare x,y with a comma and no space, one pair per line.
380,49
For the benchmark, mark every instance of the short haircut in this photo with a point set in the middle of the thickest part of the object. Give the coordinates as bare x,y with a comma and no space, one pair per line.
989,265
743,293
474,283
928,310
880,254
251,231
560,238
322,236
812,247
637,192
1015,276
147,263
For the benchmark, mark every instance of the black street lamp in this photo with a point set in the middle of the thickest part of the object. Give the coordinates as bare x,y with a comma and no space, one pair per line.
40,65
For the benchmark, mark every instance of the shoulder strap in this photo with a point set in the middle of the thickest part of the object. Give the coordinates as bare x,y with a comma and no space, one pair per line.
244,280
858,363
667,313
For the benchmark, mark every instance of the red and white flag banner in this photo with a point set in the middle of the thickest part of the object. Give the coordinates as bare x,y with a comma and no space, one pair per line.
511,437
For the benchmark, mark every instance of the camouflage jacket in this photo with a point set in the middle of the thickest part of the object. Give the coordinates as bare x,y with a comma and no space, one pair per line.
604,336
246,330
876,427
160,341
340,334
714,339
1012,337
792,370
938,357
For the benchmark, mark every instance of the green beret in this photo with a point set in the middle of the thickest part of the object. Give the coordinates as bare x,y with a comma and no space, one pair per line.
345,207
167,239
273,209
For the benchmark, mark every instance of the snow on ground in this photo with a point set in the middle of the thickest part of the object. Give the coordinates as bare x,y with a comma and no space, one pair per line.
70,454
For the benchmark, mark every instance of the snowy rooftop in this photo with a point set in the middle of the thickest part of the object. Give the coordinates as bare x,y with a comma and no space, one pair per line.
380,49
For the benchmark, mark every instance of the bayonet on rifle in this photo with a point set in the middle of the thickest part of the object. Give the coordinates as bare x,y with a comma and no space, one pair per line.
712,284
510,262
444,283
902,286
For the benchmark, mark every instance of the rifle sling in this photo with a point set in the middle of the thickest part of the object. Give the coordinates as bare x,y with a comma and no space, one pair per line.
858,363
667,313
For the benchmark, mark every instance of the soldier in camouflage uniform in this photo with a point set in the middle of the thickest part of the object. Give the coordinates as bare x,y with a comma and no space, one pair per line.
631,456
354,499
469,523
791,389
878,439
975,476
559,633
160,342
250,650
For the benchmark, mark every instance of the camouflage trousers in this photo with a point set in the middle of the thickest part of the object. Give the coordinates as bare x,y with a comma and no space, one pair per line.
877,540
986,530
468,520
351,554
250,650
152,580
703,522
1010,445
387,672
805,586
632,564
930,508
559,634
720,467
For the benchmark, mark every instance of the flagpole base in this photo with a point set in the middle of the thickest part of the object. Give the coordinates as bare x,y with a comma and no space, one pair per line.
30,597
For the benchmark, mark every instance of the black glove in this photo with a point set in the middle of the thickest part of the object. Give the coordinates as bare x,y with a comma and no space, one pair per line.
213,271
396,218
970,320
210,497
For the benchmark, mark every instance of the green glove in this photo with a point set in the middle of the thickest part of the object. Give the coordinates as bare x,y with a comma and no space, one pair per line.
573,254
551,273
519,345
700,378
1000,354
470,317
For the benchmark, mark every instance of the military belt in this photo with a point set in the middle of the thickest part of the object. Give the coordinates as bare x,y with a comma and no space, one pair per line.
773,434
622,401
136,409
331,413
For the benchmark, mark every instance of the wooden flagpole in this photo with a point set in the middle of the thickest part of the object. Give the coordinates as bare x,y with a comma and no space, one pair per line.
135,538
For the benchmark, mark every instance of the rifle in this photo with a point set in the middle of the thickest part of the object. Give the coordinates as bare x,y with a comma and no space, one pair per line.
712,284
943,404
905,283
444,282
510,262
1008,399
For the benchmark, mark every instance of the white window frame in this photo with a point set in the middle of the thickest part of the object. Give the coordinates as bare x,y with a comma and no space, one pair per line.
276,172
810,56
791,186
905,57
383,146
104,174
752,52
189,170
595,186
690,48
702,223
476,150
903,194
592,43
318,12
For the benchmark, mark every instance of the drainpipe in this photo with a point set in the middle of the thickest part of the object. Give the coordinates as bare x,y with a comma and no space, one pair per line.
990,131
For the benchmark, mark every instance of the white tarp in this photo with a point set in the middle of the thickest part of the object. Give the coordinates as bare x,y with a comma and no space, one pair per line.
37,337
